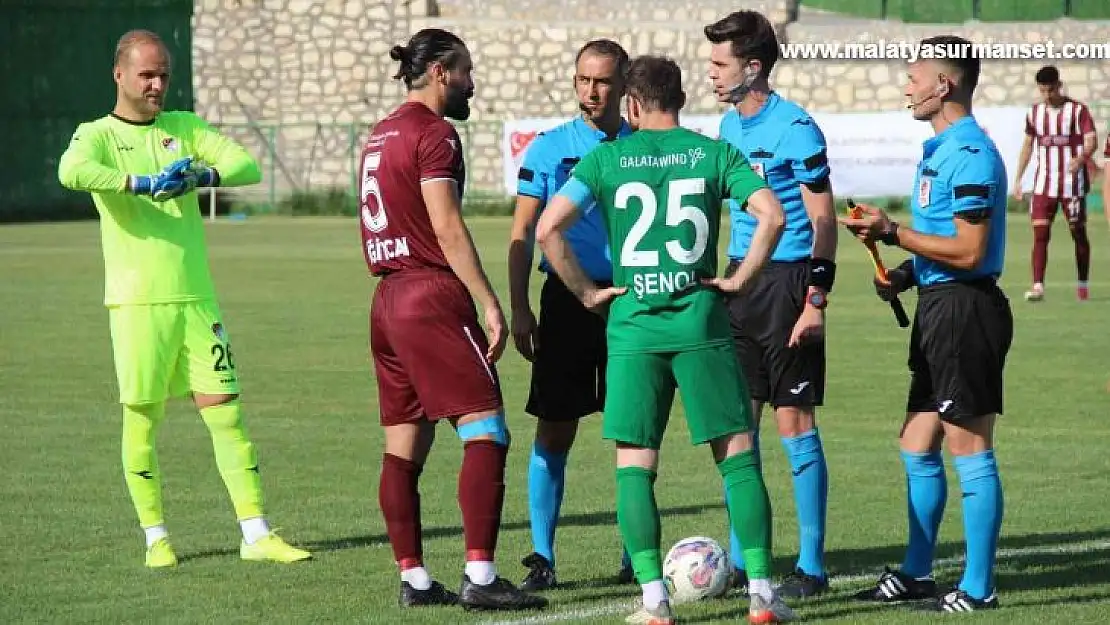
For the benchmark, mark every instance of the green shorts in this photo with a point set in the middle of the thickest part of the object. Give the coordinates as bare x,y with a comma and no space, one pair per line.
170,350
640,391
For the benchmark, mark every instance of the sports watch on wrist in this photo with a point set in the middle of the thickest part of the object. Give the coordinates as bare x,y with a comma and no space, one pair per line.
817,299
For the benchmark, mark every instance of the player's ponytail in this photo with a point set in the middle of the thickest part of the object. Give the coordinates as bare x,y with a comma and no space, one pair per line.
400,54
431,45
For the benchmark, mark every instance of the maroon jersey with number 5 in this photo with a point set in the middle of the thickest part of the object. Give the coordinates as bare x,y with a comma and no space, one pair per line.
410,147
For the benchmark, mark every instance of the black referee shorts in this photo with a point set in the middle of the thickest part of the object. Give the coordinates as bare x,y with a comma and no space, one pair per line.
958,345
568,375
762,320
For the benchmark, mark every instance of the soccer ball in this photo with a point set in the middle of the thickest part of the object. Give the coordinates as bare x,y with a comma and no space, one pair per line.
696,568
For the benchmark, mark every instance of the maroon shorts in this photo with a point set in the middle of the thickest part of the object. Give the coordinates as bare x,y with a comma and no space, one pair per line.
1042,207
429,349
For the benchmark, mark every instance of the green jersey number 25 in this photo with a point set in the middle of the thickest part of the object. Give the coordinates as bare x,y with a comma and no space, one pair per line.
677,213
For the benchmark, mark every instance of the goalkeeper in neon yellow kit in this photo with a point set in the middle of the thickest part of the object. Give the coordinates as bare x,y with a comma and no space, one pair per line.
141,166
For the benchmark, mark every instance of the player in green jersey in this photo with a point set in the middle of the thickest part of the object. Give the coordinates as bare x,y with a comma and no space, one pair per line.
141,165
660,191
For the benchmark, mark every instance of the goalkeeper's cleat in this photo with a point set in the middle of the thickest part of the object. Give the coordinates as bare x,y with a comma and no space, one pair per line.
436,594
160,554
959,601
541,575
764,612
660,615
895,586
271,548
500,594
801,585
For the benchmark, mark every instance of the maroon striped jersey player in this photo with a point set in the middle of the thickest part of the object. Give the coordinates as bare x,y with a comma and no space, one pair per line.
1060,132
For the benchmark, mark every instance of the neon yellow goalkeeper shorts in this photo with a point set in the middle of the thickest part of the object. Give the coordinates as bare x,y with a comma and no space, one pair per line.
170,350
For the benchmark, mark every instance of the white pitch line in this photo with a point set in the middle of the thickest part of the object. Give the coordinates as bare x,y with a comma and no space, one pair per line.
837,580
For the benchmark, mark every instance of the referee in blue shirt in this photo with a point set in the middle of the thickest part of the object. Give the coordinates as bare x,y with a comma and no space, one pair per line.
567,347
778,325
961,333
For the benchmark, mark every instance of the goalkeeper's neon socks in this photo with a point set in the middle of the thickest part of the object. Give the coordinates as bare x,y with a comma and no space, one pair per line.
236,457
811,493
140,461
546,479
927,493
982,511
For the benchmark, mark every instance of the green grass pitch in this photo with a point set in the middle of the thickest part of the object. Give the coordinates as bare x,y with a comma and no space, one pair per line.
295,297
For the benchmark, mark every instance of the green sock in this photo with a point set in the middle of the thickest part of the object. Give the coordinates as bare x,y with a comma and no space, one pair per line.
140,461
749,511
638,519
235,458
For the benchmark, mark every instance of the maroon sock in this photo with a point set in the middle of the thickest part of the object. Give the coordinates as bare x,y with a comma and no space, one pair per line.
399,499
481,496
1082,251
1041,235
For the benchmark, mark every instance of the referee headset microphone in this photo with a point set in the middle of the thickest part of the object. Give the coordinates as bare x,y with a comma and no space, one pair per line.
938,91
737,92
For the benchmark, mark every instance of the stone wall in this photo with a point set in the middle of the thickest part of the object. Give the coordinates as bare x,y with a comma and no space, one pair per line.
299,81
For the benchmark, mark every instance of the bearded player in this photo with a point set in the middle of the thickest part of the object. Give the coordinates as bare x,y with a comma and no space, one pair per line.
432,360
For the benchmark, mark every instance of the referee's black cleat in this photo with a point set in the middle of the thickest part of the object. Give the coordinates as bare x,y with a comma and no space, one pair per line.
959,601
738,580
895,586
626,575
541,575
801,585
497,595
436,594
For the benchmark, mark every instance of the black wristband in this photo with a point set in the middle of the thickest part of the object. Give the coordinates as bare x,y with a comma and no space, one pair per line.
890,237
822,273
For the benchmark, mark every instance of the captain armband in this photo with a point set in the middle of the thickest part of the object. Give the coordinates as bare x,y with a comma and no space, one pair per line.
822,273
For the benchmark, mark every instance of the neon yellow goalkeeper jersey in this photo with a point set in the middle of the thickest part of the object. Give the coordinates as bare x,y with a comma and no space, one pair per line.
154,252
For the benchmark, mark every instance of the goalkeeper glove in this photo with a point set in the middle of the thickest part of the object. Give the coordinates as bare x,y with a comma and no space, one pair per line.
205,175
175,180
900,279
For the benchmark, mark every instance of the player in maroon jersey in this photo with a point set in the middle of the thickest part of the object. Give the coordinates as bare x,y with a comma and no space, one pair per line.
431,358
1106,179
1062,132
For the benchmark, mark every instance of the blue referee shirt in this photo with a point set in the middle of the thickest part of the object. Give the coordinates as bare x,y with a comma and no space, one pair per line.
547,165
960,174
786,148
